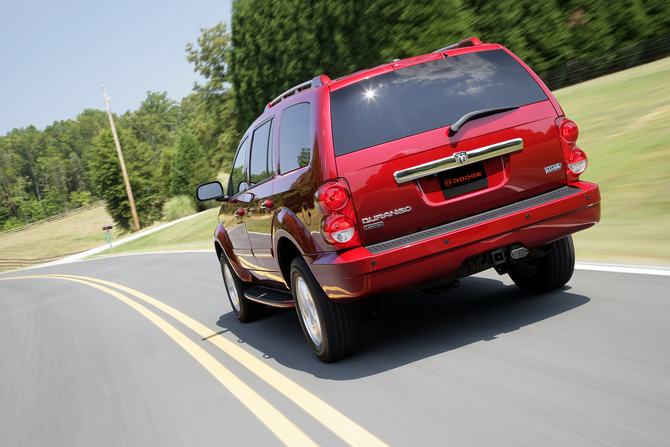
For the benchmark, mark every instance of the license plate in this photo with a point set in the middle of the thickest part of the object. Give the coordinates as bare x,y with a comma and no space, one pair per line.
463,180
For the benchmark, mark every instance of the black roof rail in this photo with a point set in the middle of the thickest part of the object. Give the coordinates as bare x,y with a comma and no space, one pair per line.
315,82
471,42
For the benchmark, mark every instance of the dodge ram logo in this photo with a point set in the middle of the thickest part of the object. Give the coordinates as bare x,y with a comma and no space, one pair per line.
461,157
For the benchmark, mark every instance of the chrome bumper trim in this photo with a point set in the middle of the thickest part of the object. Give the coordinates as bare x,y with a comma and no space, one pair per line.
444,164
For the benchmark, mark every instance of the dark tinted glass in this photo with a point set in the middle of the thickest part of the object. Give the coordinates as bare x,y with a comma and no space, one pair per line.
295,148
260,166
238,175
427,96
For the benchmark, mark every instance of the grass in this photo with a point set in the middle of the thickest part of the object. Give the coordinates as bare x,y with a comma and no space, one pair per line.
192,234
624,128
624,123
71,235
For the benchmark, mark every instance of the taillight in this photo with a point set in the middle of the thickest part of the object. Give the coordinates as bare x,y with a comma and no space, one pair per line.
576,161
575,158
568,131
338,226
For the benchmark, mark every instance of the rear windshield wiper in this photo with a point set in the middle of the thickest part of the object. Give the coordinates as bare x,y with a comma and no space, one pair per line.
474,115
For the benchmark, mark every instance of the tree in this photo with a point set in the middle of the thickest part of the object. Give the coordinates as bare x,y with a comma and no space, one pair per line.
107,179
212,106
155,121
189,166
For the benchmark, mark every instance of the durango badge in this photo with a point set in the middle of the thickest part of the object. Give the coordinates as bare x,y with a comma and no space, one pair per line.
378,217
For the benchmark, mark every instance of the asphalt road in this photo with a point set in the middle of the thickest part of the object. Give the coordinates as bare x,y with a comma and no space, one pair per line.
155,356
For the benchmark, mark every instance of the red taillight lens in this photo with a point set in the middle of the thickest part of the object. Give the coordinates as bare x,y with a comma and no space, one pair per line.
576,161
333,196
338,226
568,131
575,158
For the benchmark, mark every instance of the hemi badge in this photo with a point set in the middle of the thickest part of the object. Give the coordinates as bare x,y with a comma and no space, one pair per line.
374,225
552,168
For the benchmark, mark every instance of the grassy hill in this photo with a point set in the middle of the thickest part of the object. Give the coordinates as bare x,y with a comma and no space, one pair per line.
624,129
73,234
624,124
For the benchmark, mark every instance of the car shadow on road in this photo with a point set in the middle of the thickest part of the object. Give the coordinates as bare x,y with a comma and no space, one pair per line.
410,327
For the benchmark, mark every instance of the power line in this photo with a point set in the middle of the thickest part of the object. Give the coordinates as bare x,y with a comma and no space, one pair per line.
96,91
155,40
175,49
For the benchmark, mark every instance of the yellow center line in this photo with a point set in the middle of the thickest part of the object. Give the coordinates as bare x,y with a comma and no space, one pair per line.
279,424
349,431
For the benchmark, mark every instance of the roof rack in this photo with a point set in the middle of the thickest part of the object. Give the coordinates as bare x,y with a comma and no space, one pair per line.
316,82
471,42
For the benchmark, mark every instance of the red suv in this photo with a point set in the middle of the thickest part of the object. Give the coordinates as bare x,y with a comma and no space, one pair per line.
407,176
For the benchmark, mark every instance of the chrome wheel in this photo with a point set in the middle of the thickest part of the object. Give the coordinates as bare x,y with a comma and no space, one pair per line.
230,286
310,317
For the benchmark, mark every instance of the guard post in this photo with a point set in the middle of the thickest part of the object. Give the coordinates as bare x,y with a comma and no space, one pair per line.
109,237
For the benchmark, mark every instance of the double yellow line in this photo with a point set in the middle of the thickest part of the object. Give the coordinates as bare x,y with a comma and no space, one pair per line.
350,432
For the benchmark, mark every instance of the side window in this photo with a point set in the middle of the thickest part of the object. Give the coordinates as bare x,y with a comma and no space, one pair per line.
260,167
295,147
238,176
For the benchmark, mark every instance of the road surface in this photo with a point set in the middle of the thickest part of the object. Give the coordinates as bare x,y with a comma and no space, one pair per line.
145,350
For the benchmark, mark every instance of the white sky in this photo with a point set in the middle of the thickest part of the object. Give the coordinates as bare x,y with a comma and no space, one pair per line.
56,55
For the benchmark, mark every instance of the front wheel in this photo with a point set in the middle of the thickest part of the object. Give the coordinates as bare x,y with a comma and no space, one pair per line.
332,329
547,272
245,309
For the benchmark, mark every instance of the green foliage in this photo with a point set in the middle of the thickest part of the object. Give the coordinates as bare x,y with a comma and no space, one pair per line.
189,166
107,179
212,106
155,121
280,43
178,207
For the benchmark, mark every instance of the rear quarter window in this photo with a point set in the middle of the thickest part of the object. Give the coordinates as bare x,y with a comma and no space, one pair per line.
295,148
427,96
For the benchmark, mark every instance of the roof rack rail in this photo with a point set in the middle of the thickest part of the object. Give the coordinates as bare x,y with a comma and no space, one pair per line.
471,42
316,82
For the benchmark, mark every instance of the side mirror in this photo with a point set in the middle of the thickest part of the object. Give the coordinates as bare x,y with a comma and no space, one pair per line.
208,191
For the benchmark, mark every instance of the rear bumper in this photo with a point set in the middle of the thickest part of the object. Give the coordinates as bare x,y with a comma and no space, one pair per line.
409,260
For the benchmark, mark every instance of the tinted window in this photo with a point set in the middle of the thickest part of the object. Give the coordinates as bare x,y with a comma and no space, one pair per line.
260,167
427,96
295,148
238,176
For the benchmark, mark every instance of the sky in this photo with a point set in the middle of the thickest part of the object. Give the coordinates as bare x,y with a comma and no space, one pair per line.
55,56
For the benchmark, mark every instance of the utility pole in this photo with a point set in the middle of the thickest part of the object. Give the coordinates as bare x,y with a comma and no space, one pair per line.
123,164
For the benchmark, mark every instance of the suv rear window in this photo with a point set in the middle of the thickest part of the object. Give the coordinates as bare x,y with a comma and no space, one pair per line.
427,96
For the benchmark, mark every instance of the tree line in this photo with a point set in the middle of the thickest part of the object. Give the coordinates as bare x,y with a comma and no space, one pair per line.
169,146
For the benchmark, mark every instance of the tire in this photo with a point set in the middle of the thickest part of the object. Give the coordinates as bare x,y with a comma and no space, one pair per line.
547,272
332,329
245,309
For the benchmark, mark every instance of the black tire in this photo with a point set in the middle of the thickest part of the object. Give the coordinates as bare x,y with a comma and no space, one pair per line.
332,329
245,309
547,272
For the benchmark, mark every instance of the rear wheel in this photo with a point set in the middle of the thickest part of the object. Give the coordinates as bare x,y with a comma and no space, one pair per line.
245,309
547,272
332,329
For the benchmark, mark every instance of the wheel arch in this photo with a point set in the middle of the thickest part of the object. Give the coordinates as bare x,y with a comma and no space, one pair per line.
291,239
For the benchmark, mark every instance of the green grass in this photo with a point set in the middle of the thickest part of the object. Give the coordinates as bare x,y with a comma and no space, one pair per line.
71,235
624,124
192,234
